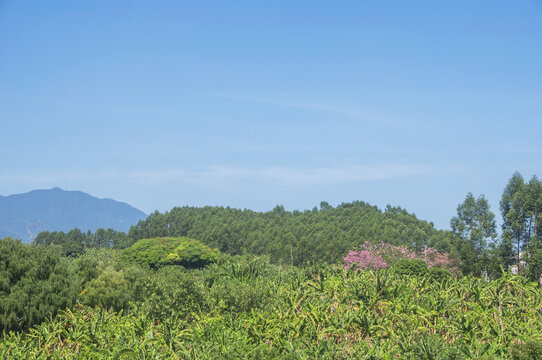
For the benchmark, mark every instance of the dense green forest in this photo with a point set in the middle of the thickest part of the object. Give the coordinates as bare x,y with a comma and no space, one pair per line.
350,281
321,235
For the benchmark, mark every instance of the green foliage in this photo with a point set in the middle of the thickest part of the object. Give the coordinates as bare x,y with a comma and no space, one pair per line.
108,290
75,242
316,313
114,289
139,303
158,252
410,267
241,284
534,269
34,284
474,222
191,254
91,263
438,274
174,292
530,350
150,252
295,238
521,206
476,228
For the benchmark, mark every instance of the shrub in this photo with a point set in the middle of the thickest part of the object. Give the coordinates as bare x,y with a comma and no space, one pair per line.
109,290
174,292
157,252
150,252
530,350
410,267
241,283
34,284
438,274
237,296
114,289
90,264
191,254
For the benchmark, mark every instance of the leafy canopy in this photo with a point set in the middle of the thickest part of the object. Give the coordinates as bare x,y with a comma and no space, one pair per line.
34,284
157,252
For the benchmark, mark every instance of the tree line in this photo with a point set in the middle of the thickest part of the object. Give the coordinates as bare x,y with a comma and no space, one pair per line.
193,279
75,242
520,245
320,235
325,234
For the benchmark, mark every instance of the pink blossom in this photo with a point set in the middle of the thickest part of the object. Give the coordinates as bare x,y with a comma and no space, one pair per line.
434,258
363,259
382,255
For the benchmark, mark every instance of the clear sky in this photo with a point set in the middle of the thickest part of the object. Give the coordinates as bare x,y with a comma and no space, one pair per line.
251,104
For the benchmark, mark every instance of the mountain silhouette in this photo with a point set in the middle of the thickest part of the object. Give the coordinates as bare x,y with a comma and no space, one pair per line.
24,215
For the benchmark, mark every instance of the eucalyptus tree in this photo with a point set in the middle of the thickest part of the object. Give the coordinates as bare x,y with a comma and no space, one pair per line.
35,284
321,235
514,214
534,225
521,205
475,226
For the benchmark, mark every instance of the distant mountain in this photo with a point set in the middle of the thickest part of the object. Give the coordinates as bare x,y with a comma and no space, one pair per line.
60,210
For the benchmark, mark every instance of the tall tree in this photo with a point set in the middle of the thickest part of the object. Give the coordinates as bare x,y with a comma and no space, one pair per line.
514,214
475,226
534,225
521,206
534,206
35,284
295,237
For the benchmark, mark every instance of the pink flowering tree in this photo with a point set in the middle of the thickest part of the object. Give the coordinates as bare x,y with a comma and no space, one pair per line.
363,259
434,258
382,255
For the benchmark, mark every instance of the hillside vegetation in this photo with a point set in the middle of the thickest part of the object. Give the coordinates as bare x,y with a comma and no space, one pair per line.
330,283
315,236
246,308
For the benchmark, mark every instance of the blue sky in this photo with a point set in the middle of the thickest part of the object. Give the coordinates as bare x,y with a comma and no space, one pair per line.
253,104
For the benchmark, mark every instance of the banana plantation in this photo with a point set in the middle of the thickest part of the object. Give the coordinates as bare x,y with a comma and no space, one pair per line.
243,307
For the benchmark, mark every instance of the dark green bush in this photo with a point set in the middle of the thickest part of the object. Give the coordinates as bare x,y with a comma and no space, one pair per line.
438,274
530,350
150,252
157,252
174,291
109,290
191,254
236,296
115,289
410,267
91,263
34,284
241,283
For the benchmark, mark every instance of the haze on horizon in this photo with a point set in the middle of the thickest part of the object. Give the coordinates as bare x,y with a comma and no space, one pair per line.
250,105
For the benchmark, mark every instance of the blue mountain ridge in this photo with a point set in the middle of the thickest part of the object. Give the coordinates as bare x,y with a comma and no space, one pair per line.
61,210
